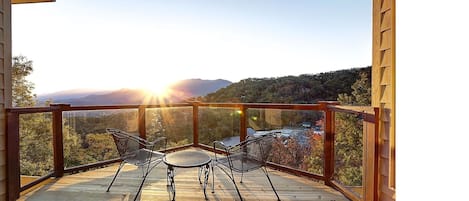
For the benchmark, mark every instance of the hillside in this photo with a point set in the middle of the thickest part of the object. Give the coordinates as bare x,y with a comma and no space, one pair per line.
308,88
199,87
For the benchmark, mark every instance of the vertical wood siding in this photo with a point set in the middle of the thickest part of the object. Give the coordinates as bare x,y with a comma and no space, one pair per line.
384,91
5,87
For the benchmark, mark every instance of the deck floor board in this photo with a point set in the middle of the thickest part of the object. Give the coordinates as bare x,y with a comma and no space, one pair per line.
91,186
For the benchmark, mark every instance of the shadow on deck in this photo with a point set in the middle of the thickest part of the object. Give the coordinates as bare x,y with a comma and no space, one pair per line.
91,185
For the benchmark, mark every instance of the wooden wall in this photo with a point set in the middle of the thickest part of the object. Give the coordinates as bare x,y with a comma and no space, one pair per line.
5,87
384,92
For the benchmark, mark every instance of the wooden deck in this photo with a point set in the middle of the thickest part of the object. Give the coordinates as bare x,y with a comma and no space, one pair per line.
92,185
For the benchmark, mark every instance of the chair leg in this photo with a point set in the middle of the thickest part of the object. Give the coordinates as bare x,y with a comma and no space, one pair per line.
141,185
213,178
266,174
143,171
241,181
145,174
232,180
118,170
237,190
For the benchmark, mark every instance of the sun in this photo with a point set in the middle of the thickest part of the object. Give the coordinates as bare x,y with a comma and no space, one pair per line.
157,90
158,87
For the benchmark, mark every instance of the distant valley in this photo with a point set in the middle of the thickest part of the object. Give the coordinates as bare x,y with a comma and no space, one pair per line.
178,92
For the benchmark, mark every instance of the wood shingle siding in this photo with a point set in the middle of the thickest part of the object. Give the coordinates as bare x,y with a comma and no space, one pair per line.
5,88
384,91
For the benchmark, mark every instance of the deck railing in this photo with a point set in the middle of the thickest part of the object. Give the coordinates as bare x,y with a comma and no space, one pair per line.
327,108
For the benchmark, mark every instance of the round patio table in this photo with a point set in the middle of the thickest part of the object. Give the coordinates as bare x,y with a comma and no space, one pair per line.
187,159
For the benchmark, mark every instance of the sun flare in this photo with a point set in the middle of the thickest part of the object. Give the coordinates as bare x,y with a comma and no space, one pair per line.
159,91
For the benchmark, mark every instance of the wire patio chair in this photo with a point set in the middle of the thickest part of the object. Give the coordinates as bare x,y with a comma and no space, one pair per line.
136,151
242,157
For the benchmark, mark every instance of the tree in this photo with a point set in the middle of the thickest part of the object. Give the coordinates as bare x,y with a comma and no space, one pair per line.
22,95
36,155
361,93
35,131
349,134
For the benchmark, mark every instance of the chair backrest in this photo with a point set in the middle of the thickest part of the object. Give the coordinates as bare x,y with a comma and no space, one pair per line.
258,148
127,145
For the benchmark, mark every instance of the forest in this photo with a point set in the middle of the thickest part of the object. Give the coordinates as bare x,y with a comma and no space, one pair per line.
306,88
85,139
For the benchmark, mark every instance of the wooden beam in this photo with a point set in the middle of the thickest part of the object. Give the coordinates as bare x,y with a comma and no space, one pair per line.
195,123
142,130
243,124
30,1
57,136
329,131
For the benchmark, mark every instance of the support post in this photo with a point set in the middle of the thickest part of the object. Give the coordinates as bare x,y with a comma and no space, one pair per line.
57,136
243,124
371,154
195,123
13,153
142,130
328,141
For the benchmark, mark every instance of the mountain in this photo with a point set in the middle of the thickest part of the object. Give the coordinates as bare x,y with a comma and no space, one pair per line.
198,87
179,92
70,94
307,88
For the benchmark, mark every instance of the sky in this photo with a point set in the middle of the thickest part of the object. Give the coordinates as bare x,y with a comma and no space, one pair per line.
149,44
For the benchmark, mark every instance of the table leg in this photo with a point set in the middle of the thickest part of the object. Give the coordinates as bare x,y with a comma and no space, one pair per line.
170,182
207,174
200,173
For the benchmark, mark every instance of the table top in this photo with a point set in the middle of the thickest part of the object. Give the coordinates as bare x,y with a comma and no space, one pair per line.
187,159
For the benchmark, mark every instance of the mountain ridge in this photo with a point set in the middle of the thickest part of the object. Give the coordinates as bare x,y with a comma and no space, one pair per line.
179,91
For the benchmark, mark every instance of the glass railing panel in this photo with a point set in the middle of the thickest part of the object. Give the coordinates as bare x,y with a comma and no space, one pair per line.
85,137
36,151
300,134
218,123
348,144
174,123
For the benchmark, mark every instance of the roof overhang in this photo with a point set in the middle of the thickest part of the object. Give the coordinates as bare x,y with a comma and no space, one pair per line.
30,1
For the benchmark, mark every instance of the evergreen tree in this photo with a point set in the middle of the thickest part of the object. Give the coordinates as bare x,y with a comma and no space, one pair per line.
36,155
22,95
349,134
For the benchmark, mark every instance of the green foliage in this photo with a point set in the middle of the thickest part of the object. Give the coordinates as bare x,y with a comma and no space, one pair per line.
100,147
290,89
349,135
22,88
36,156
216,124
173,123
361,94
349,149
36,152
